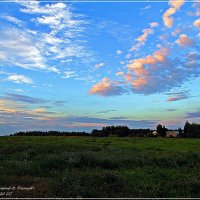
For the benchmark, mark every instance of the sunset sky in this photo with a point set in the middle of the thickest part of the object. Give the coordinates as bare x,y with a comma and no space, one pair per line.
79,66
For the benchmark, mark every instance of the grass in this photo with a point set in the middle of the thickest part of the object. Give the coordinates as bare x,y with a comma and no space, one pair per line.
101,167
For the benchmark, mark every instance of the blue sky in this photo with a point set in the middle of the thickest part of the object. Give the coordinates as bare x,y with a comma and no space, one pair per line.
80,66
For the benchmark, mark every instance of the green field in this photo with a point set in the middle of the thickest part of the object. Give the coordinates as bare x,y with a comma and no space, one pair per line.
100,167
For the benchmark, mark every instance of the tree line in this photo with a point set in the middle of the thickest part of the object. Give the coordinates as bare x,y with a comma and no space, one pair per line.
120,131
49,133
191,130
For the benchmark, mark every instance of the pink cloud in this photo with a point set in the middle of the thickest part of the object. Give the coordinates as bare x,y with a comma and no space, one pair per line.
141,73
184,40
177,97
197,23
167,16
119,73
143,38
176,32
153,24
106,87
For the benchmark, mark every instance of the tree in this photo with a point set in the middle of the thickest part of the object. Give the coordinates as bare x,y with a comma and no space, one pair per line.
161,130
191,130
186,129
180,132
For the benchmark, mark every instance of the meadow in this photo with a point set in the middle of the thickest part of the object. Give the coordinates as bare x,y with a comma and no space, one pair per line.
92,167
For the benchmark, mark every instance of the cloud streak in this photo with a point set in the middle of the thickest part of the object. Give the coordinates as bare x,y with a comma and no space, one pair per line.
20,79
41,119
19,50
177,97
195,114
143,38
24,98
99,65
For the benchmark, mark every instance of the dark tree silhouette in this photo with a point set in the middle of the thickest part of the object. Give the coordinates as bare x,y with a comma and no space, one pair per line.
161,130
191,130
180,132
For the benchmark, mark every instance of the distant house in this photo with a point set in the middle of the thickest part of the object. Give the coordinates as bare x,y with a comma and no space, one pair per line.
171,133
154,133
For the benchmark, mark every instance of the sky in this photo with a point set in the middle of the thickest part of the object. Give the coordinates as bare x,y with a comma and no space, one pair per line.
78,66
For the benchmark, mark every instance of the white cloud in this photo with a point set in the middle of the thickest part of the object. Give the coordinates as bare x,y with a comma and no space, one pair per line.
13,20
2,56
128,56
57,16
119,52
59,37
32,7
99,65
50,39
69,26
69,74
54,69
20,79
18,90
50,20
195,11
20,50
146,7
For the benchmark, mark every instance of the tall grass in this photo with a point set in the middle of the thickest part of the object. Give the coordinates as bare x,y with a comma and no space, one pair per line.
101,167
